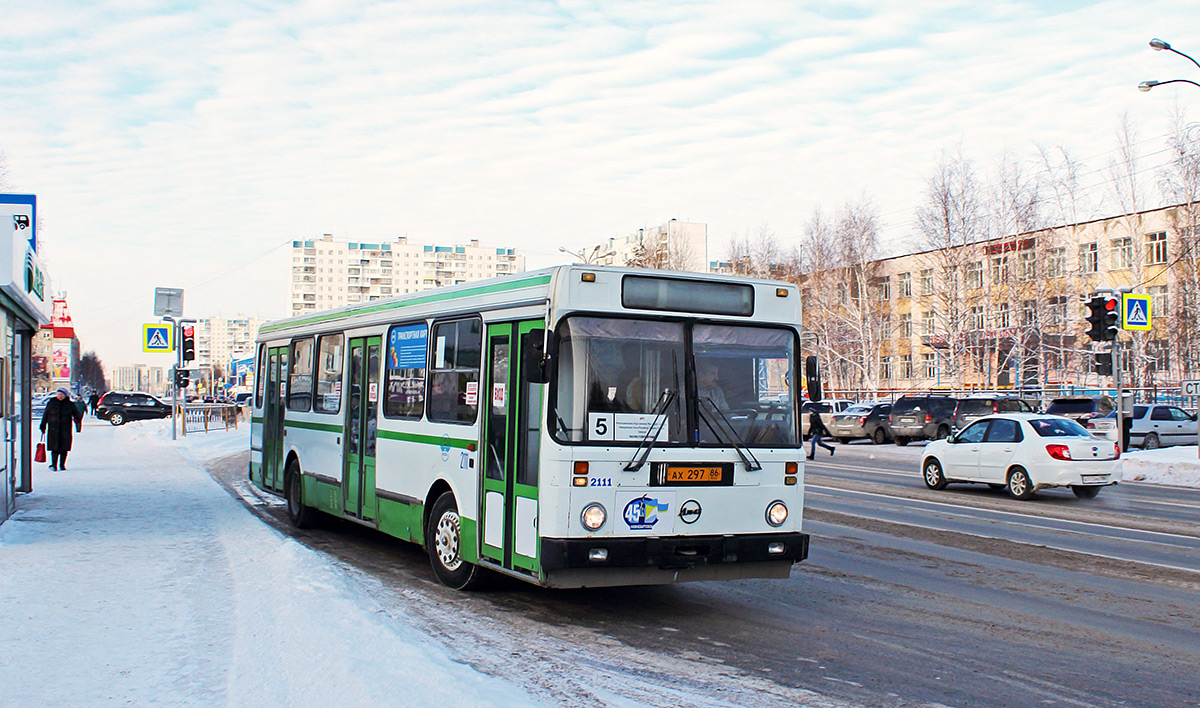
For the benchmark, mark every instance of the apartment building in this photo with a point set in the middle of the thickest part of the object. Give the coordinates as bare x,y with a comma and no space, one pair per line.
327,273
1009,312
220,340
140,377
674,245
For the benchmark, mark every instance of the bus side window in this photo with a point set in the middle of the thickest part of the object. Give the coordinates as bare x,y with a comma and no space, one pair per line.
300,383
454,373
329,374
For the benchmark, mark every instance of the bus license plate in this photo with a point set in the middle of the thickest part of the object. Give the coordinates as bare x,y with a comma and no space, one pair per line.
693,474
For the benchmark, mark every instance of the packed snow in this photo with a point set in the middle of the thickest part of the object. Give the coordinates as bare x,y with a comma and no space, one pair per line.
1177,466
132,578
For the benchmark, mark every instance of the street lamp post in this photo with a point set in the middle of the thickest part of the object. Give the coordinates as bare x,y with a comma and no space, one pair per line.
588,257
1159,45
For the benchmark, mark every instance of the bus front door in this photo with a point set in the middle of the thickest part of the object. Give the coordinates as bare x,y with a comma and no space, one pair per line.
511,430
362,411
272,439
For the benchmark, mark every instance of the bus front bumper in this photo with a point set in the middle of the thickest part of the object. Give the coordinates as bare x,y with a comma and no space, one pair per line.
671,552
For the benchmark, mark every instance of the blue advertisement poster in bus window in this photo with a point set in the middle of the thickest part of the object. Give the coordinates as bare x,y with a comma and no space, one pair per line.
406,347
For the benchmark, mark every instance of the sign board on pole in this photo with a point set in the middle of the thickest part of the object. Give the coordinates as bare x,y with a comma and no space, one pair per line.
158,338
1189,388
1135,311
168,302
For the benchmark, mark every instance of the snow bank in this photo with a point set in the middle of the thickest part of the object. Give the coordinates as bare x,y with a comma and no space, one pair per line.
1178,466
131,578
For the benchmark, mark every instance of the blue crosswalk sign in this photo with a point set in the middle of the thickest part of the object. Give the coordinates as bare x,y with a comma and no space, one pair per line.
157,338
1135,311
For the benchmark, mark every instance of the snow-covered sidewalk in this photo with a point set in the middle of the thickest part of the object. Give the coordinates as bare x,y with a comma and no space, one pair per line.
132,578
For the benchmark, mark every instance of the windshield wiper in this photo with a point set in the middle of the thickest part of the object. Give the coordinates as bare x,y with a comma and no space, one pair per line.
647,443
723,429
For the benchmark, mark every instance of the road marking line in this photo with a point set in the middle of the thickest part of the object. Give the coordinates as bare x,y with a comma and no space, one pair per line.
997,511
1023,543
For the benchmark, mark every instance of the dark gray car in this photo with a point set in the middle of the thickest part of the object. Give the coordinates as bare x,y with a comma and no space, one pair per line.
922,418
1081,409
973,408
864,420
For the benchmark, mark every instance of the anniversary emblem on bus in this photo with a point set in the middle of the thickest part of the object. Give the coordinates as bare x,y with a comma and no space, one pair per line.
642,512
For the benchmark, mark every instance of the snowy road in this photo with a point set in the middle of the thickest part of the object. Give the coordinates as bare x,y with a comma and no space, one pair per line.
883,614
134,579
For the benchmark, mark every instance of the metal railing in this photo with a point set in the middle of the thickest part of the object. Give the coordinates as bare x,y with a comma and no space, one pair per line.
207,417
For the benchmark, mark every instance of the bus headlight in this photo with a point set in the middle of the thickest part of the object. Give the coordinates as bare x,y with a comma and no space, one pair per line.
776,513
594,516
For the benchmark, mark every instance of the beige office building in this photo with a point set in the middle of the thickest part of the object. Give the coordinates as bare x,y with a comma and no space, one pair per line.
1010,312
327,274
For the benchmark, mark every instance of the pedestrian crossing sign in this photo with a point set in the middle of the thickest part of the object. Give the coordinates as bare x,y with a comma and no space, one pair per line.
1135,311
158,338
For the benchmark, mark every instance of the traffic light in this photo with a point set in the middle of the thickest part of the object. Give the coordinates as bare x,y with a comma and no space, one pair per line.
1104,316
1112,319
181,378
1103,363
1095,318
187,343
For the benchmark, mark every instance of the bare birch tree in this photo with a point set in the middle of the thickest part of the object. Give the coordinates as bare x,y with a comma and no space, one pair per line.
951,225
661,254
1128,250
1180,184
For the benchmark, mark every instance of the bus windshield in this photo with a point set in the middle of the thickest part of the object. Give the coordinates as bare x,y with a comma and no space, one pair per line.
613,374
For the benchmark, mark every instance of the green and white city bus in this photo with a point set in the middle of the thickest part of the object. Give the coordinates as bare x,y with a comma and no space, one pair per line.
577,426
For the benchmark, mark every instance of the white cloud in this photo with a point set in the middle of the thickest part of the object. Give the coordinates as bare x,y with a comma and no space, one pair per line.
172,146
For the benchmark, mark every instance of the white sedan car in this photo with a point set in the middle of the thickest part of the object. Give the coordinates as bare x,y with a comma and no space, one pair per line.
1023,452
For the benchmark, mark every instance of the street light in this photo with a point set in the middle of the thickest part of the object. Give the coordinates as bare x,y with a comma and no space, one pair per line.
1159,45
586,257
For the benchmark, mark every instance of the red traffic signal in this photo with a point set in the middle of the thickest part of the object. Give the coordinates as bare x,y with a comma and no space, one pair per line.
187,343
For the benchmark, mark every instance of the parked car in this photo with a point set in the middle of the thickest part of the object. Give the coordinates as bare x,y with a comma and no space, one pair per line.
922,418
973,408
863,420
1081,409
119,407
1154,426
1023,452
827,407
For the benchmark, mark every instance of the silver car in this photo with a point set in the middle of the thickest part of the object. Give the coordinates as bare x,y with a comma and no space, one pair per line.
1155,425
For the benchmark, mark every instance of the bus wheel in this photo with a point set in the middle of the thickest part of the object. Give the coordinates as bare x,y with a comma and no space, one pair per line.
443,539
301,516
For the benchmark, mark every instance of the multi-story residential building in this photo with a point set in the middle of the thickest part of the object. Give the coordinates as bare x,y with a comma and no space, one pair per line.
139,377
1009,312
220,340
675,245
328,273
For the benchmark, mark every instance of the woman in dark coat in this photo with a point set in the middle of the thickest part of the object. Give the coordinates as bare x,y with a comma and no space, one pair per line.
60,416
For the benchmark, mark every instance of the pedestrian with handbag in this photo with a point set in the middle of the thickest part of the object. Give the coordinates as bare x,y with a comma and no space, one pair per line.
61,415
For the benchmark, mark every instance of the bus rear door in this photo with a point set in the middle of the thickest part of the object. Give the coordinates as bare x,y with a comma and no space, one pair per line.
362,417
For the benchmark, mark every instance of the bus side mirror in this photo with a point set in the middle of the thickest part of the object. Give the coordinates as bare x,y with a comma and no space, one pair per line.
535,365
812,376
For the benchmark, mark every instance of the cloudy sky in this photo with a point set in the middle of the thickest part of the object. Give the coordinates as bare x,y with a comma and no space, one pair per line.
183,144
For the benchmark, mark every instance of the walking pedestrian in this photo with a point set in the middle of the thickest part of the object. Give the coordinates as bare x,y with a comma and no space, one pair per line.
816,429
94,402
60,416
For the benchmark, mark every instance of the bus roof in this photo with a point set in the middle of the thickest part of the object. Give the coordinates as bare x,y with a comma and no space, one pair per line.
522,289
